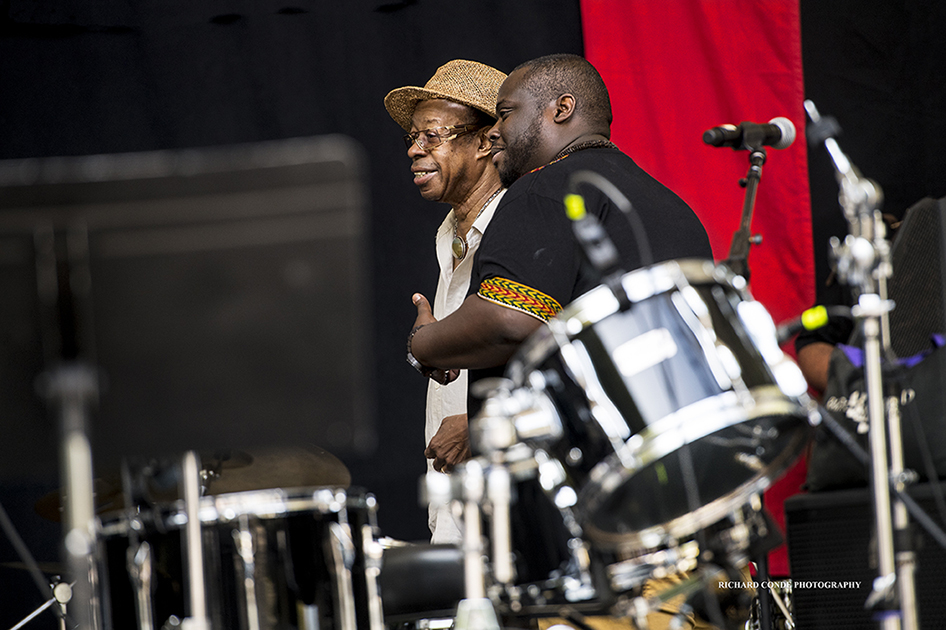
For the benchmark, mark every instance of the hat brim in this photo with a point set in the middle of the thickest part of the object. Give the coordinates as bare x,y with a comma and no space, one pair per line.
401,102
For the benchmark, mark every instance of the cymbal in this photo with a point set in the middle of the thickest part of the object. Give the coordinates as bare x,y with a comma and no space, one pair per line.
283,467
225,472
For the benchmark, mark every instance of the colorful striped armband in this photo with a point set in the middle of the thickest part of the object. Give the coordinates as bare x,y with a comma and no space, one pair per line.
520,297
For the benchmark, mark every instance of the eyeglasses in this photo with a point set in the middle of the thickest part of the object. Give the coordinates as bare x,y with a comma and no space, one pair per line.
427,139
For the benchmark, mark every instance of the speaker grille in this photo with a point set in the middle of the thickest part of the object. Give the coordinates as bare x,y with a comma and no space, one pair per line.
830,539
917,283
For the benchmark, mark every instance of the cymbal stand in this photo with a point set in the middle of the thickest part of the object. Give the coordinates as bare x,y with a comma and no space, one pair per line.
62,595
61,591
70,386
863,262
193,548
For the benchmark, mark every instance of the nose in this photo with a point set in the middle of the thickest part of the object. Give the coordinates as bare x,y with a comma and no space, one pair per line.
494,134
415,151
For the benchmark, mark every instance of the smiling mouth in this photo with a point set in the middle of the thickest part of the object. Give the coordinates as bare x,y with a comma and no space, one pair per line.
422,177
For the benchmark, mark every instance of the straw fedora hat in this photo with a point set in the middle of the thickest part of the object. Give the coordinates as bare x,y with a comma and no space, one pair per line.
467,82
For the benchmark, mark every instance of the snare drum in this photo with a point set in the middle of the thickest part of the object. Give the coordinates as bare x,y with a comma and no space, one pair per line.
298,558
668,416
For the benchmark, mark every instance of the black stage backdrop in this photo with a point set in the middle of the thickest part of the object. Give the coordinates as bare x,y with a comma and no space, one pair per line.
878,68
79,78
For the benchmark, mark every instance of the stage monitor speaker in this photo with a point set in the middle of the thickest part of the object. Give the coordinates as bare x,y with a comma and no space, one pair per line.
918,285
831,542
220,292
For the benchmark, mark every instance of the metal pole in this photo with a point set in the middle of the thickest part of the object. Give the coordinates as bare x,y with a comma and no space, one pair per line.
197,597
878,446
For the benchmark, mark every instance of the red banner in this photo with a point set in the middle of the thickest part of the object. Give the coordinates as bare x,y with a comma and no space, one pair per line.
676,68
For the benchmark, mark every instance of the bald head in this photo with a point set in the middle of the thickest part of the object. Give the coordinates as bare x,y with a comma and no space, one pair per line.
547,78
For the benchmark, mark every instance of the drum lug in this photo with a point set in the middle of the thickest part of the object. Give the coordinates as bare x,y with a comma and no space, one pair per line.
140,572
342,553
243,539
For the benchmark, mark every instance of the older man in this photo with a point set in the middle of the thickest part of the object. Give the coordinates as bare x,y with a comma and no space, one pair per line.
554,117
448,121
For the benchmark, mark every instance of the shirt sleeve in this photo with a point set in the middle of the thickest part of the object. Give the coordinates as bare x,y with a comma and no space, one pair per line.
527,259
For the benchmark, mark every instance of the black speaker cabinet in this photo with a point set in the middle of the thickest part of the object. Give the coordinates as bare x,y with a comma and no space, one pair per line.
832,551
918,284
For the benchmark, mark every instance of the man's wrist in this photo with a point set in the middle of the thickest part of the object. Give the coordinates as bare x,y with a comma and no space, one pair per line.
417,365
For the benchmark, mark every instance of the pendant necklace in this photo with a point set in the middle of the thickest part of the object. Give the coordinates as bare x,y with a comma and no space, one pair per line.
459,245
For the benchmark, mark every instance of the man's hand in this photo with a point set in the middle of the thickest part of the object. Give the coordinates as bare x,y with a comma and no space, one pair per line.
425,316
424,313
451,445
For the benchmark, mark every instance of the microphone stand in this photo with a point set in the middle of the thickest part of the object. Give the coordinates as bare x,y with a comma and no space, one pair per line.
863,261
738,260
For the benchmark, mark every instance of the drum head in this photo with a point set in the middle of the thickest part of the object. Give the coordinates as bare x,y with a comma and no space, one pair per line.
692,476
674,411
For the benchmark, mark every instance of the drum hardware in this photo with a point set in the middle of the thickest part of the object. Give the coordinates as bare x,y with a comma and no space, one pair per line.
35,571
140,571
62,595
620,425
651,476
509,416
863,262
156,481
193,545
703,599
70,389
304,558
781,594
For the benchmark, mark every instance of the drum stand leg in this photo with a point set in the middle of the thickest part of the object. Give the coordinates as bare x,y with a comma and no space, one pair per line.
475,611
765,602
71,388
62,594
194,560
23,551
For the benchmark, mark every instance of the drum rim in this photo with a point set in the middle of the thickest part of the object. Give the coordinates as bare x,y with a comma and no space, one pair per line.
260,503
599,304
706,515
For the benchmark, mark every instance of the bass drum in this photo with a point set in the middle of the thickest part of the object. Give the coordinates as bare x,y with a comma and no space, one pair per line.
664,417
305,559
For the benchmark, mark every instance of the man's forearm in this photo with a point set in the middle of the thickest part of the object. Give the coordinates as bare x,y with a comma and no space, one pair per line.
479,334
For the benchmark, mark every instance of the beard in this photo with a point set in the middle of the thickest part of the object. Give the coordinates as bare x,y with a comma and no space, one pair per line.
517,155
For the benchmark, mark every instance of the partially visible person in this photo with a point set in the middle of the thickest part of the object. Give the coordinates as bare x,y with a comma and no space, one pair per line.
447,122
554,117
554,120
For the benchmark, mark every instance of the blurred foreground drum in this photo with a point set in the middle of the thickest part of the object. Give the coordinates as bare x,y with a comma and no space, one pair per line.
664,418
299,558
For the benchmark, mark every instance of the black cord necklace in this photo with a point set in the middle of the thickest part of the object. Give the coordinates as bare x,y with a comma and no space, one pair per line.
459,245
587,144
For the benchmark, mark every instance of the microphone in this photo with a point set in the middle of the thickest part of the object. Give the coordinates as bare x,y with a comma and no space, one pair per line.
811,319
778,133
594,240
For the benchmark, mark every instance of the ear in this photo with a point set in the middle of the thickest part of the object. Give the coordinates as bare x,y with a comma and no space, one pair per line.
564,107
484,144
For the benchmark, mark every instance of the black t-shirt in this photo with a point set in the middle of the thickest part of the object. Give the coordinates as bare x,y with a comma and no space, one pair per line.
529,258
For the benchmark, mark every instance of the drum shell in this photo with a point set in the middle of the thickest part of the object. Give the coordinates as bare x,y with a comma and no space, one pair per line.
287,577
669,413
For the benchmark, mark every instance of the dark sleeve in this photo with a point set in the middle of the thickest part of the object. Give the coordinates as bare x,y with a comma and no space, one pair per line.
528,260
838,329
